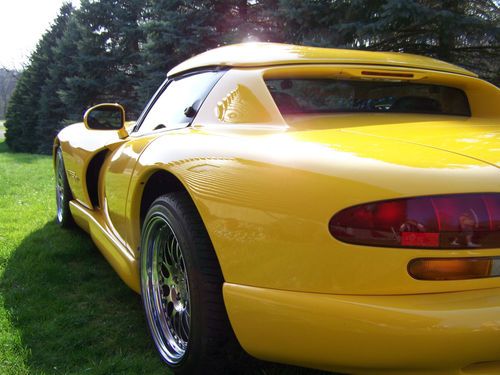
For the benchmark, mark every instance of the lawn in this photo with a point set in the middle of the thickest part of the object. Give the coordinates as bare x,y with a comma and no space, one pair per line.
63,310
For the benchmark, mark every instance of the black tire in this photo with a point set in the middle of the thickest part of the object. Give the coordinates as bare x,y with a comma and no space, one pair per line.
186,287
63,193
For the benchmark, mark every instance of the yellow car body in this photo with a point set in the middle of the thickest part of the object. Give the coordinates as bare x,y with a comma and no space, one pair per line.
266,187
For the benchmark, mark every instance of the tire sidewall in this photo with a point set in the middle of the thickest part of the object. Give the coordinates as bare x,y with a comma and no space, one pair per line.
67,219
166,210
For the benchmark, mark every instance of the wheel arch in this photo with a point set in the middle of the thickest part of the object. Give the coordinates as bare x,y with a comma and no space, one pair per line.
152,185
158,183
55,146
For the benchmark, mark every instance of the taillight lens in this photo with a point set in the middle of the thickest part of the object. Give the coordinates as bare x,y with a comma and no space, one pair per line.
458,221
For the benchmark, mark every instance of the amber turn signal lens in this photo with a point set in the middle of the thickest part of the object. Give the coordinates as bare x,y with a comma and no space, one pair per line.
453,268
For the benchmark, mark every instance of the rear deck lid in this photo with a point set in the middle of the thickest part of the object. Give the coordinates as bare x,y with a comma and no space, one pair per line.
476,138
468,136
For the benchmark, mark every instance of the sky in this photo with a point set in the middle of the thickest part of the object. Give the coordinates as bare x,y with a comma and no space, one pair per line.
22,23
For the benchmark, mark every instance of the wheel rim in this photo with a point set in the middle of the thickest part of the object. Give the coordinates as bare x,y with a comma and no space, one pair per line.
59,187
166,290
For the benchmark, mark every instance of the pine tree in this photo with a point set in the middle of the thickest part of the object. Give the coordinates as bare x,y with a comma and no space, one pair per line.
121,51
65,69
266,23
315,23
21,116
23,126
460,32
51,111
106,56
178,29
174,31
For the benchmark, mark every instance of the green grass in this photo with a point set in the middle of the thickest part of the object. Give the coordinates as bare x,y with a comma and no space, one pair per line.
63,310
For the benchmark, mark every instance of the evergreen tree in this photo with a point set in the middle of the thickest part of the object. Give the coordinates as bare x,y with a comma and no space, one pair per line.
120,51
456,31
51,111
266,23
22,124
106,56
174,31
65,69
178,29
460,32
315,23
21,113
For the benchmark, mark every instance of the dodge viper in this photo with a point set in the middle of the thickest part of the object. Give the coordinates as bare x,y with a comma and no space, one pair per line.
326,208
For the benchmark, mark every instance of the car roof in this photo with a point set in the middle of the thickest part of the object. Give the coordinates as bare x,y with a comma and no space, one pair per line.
248,55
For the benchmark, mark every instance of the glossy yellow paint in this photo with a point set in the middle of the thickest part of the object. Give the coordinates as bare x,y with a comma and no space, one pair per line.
266,200
266,54
79,146
118,255
267,185
122,132
452,333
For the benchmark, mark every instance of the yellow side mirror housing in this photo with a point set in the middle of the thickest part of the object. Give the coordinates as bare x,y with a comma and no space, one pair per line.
106,116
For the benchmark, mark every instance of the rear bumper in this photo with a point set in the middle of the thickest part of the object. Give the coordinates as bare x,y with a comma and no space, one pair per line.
445,333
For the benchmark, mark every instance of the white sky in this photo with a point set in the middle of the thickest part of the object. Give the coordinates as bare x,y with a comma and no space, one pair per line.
22,23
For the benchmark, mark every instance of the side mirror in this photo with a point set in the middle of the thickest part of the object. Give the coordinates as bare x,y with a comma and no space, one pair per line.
106,116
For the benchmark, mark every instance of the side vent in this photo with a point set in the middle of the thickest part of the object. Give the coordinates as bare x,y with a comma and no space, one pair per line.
92,177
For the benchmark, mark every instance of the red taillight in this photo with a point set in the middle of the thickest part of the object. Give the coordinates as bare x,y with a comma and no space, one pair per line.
446,221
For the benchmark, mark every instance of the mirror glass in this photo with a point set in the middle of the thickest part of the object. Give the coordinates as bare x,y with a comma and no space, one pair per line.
106,117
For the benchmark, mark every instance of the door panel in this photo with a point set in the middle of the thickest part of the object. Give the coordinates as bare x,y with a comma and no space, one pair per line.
117,171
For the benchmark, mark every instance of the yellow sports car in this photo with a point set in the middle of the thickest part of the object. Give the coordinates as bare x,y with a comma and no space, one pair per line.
327,208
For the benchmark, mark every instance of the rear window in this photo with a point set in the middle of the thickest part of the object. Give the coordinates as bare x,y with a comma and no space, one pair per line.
302,96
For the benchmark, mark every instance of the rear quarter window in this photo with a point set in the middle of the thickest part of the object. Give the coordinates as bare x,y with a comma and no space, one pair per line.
306,95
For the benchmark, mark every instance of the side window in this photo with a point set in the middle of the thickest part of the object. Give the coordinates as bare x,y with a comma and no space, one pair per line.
177,105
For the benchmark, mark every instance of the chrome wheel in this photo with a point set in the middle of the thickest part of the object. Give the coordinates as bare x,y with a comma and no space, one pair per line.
63,193
59,186
186,316
165,289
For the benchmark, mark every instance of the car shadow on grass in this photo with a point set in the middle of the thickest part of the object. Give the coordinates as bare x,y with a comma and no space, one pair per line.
76,316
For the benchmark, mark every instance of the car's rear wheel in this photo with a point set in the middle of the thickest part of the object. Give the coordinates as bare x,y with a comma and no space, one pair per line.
63,193
181,285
